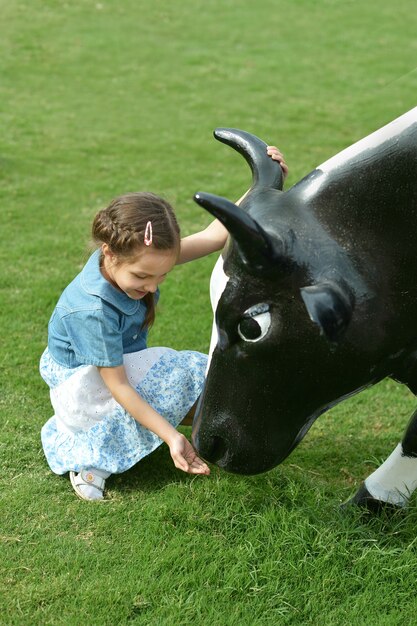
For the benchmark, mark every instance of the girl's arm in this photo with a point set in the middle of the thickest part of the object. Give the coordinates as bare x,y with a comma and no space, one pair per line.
182,452
213,238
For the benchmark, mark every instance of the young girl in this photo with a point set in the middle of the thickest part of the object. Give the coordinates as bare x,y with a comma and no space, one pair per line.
115,400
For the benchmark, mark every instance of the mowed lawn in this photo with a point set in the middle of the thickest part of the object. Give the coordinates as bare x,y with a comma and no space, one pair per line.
98,98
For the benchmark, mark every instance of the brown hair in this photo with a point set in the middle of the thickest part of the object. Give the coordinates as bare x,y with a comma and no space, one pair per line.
122,227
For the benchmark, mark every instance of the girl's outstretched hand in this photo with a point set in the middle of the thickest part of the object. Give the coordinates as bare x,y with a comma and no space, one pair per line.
185,457
277,155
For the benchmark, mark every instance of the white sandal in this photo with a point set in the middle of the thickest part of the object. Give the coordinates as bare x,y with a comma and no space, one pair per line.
87,478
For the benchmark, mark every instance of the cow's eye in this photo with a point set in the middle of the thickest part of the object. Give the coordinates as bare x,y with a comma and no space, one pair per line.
255,323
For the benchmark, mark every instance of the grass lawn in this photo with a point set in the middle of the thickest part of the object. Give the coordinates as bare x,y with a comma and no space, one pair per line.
102,97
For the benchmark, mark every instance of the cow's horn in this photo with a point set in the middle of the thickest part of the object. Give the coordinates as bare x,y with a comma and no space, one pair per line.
265,171
257,248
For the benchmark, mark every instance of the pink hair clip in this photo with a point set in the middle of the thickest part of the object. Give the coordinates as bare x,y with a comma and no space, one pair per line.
147,240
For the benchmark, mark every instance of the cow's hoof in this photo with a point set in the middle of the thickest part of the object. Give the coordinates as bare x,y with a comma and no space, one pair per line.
366,501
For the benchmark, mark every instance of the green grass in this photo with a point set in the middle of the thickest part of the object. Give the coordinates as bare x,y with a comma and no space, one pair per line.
100,98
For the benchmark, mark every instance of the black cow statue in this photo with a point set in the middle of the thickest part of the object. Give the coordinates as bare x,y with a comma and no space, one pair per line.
314,300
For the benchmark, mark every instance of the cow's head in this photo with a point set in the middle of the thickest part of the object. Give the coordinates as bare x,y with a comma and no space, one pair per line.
285,342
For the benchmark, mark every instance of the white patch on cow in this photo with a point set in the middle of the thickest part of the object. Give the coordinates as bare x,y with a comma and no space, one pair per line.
395,480
372,141
218,282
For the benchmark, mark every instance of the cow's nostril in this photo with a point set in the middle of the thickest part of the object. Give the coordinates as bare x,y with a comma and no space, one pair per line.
218,449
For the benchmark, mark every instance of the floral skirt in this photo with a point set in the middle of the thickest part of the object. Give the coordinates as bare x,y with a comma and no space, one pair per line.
90,429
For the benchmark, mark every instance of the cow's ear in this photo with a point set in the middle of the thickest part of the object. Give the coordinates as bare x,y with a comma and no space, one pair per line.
330,306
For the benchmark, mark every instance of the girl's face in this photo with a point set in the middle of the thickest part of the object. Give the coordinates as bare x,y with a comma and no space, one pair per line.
140,274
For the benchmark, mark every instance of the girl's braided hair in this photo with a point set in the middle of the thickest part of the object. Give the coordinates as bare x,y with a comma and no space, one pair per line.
122,227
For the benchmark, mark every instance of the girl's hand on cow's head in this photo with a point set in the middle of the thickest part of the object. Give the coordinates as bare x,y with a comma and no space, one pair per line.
277,155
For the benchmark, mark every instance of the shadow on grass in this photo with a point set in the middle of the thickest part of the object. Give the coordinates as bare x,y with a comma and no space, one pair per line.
288,495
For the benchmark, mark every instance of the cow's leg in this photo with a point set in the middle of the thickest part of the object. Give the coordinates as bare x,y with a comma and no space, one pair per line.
395,480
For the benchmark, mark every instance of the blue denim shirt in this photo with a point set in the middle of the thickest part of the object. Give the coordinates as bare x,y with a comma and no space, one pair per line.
94,323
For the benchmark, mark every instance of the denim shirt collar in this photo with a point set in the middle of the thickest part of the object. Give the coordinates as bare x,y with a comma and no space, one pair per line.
94,283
